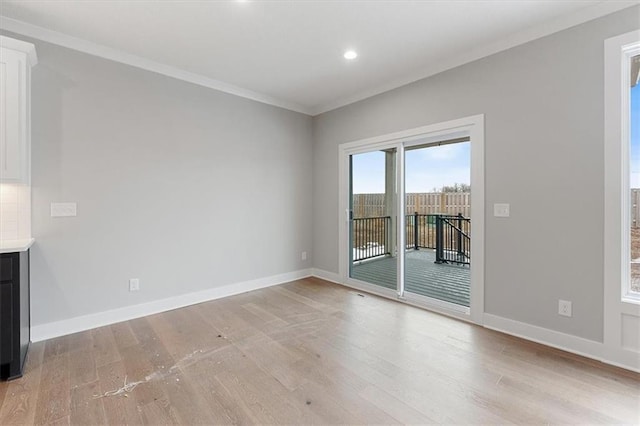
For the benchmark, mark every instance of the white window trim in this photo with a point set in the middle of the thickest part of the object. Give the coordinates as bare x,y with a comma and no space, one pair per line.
618,53
618,301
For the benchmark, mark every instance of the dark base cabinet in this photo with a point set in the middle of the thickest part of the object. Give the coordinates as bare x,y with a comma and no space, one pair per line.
14,313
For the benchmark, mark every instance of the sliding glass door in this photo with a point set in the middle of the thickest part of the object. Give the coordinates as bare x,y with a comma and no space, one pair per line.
408,206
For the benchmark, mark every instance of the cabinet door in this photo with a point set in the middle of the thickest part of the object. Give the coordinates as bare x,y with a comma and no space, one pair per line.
12,115
6,322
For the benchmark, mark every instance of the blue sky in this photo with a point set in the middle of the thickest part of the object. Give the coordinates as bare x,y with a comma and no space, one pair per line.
426,169
635,137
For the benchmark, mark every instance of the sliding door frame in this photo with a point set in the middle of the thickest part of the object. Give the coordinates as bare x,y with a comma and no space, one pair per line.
472,126
344,232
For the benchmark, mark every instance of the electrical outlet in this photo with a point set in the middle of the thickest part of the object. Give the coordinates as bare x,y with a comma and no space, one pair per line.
304,255
564,308
134,284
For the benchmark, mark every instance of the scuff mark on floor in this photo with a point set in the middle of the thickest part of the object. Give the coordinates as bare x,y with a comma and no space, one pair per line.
185,361
126,388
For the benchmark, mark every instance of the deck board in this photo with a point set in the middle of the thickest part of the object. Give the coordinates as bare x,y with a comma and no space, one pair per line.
423,276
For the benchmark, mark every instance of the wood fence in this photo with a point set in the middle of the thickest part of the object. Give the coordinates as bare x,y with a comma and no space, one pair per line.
634,202
372,205
450,203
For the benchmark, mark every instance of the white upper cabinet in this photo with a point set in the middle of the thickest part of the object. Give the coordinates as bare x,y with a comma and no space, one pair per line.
16,59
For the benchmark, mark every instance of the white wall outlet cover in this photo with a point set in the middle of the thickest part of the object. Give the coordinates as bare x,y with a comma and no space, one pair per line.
501,210
564,308
304,255
64,209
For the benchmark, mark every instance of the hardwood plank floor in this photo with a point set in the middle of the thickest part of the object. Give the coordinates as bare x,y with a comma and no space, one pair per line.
310,352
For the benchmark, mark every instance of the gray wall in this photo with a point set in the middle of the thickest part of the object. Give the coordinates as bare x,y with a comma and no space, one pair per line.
543,106
180,186
187,188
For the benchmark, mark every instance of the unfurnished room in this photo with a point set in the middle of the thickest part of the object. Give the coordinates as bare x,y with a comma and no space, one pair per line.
319,212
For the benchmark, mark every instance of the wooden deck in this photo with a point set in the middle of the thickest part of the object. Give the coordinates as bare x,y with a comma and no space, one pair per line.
422,276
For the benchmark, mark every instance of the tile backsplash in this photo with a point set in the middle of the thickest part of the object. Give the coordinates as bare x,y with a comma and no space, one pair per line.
15,211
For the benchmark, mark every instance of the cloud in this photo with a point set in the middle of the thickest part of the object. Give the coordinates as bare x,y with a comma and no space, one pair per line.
425,169
425,181
444,152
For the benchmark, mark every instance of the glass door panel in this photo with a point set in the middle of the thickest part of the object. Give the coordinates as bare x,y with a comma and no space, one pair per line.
373,215
437,256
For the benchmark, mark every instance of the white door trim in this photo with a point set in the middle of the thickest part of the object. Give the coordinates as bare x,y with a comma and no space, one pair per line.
474,126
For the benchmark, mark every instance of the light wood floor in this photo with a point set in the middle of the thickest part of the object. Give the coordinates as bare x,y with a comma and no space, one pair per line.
310,352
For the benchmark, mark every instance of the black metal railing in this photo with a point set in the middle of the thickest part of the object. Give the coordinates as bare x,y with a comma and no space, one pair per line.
420,231
449,235
453,239
371,237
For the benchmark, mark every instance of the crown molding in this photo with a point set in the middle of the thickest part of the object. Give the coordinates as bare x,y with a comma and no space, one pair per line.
562,23
70,42
587,14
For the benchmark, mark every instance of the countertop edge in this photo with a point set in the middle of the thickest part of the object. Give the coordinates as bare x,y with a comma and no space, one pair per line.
13,246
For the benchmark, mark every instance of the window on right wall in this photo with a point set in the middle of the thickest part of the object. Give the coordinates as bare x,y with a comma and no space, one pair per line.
622,200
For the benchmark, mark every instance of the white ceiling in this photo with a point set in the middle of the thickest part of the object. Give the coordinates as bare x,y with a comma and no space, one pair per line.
289,53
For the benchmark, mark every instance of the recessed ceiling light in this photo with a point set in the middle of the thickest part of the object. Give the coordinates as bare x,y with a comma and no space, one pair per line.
350,54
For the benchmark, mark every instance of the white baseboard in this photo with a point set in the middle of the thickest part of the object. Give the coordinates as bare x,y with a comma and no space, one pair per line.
326,275
556,339
86,322
566,342
578,345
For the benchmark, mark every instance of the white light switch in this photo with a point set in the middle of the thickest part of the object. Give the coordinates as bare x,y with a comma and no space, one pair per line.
501,210
134,284
63,209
